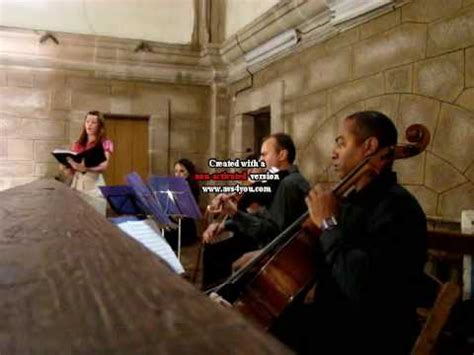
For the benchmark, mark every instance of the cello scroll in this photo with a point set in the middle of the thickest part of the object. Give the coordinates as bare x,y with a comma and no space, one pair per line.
419,138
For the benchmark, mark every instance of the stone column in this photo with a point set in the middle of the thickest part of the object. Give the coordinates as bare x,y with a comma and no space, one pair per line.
219,113
200,36
158,138
276,108
217,21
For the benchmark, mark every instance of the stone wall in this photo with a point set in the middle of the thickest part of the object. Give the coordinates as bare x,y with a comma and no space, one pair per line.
43,109
415,63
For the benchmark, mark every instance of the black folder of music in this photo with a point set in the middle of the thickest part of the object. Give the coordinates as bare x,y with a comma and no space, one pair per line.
92,157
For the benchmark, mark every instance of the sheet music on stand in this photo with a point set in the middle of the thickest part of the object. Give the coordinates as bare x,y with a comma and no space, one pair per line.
146,233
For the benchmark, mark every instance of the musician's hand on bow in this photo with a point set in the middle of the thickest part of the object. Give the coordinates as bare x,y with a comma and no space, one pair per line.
216,204
220,300
212,231
322,204
229,205
81,167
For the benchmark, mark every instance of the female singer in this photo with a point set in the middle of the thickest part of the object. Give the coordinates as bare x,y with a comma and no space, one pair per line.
88,179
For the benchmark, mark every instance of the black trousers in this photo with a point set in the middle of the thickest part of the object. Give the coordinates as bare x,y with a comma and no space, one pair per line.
218,258
188,234
326,329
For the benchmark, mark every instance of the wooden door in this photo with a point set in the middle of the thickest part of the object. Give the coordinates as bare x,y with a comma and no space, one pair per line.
261,129
130,137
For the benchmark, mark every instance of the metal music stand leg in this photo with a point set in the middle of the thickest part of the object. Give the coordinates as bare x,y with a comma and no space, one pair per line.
179,238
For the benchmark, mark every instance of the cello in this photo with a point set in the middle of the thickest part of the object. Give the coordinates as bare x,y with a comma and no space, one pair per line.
286,268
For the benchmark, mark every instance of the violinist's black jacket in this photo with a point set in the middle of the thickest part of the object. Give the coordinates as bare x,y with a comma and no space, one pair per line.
253,231
286,206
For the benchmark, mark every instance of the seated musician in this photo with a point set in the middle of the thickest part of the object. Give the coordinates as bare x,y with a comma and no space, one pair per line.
373,245
251,202
185,168
254,230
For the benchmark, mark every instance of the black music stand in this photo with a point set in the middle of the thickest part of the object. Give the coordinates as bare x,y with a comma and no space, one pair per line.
177,200
148,200
123,200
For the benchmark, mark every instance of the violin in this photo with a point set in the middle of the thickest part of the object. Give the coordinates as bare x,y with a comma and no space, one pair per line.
286,268
247,199
247,202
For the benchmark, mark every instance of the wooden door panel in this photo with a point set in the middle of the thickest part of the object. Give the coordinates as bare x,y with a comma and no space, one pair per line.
123,158
140,148
130,138
109,174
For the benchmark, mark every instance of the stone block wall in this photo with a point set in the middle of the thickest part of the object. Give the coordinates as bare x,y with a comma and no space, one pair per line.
44,108
415,64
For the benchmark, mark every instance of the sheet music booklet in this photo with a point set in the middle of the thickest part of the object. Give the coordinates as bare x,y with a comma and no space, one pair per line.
92,157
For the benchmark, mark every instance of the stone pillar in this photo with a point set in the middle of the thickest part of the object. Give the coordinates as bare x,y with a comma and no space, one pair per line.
200,36
276,108
219,112
159,149
217,20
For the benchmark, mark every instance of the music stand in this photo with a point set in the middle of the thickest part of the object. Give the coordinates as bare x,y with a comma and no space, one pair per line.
148,200
122,200
177,200
137,199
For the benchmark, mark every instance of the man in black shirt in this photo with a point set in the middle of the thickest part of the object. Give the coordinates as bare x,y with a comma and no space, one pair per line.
255,230
373,246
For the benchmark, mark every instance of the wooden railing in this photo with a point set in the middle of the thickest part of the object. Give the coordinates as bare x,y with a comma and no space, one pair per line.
451,242
71,282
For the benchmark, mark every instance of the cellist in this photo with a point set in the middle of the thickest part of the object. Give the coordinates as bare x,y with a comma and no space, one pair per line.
373,246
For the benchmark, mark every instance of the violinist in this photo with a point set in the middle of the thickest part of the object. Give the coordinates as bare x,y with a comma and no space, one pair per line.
255,230
373,249
185,168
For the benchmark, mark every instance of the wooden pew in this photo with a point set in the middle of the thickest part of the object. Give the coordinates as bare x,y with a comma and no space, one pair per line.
71,282
451,242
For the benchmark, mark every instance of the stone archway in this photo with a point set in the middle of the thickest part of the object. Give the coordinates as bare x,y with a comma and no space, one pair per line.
442,178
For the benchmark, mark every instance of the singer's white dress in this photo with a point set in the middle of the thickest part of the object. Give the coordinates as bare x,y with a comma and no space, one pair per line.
88,183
